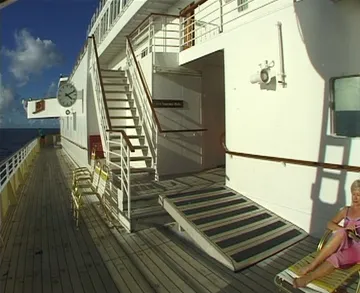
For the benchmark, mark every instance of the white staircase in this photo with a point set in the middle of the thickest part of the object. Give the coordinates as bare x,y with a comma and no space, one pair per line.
124,116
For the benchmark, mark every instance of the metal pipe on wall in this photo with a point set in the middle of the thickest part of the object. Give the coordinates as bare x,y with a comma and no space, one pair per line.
281,55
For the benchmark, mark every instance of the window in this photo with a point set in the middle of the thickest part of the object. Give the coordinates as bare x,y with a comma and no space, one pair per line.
144,52
346,106
243,5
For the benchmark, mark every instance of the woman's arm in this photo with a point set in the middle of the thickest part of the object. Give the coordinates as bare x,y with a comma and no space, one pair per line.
333,223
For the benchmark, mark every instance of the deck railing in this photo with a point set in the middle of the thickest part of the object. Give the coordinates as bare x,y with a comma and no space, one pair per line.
13,171
206,19
106,16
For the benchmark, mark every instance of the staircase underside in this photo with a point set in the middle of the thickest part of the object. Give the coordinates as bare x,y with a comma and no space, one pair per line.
231,228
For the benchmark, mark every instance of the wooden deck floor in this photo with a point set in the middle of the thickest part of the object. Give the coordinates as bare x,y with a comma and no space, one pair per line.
45,253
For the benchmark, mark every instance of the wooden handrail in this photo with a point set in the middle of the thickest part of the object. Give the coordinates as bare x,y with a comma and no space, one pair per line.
149,98
289,161
101,82
127,140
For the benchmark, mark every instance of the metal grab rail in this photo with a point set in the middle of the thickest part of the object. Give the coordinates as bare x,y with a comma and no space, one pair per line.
9,166
289,161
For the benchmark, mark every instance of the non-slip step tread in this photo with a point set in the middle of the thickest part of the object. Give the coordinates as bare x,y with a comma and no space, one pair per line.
230,226
235,224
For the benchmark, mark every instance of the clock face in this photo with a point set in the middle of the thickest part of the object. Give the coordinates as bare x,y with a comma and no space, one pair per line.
67,95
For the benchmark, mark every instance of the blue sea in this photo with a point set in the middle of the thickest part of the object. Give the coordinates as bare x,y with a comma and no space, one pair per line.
12,139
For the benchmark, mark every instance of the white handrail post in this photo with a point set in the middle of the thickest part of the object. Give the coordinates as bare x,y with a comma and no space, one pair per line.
128,181
221,17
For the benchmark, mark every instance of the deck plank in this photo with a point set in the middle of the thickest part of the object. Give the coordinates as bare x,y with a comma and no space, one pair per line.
44,252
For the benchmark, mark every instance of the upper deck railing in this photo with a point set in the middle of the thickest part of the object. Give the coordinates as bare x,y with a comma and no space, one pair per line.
105,17
206,19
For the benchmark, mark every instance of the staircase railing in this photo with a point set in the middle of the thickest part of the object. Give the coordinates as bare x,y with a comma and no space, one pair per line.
123,143
123,165
147,112
98,87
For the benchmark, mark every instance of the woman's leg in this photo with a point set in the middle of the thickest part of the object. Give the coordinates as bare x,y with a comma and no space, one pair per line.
324,269
324,253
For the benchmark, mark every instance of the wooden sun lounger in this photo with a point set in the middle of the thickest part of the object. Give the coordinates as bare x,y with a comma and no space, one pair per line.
327,284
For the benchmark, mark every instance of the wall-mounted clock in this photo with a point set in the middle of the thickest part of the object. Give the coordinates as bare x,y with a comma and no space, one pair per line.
67,95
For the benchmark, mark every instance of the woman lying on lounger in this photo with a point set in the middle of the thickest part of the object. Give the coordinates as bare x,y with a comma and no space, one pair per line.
341,251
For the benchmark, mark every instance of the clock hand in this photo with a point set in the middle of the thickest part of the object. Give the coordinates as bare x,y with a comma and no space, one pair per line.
68,95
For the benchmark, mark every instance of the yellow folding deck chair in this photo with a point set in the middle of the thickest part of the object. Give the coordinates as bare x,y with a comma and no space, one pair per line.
83,175
327,284
96,189
81,190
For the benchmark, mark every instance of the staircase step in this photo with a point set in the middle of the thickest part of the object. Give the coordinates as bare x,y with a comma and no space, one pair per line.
117,136
136,147
112,73
135,170
132,159
122,108
114,79
125,117
118,100
115,83
126,127
118,92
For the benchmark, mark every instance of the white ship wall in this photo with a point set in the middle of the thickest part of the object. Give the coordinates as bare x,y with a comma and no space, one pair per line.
74,128
320,41
93,124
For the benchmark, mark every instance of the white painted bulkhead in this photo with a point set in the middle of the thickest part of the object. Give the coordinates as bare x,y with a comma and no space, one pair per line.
74,127
320,41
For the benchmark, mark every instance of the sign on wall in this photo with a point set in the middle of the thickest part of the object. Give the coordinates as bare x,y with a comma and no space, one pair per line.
168,103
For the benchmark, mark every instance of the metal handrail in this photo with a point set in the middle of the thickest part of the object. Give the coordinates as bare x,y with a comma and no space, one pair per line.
289,161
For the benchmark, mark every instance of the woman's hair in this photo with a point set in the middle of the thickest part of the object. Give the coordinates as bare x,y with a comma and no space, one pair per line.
355,185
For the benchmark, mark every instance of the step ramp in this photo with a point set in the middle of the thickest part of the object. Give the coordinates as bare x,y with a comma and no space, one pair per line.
230,227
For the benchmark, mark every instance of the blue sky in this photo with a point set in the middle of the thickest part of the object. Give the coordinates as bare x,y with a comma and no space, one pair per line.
40,39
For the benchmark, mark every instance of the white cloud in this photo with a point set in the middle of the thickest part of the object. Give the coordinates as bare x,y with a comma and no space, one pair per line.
31,56
6,96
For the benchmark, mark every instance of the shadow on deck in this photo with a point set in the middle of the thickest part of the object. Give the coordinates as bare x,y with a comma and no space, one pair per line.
45,253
